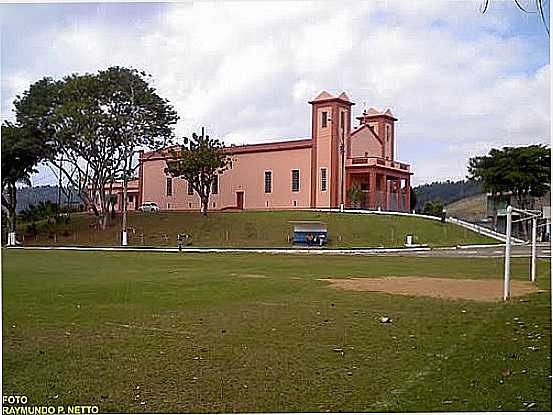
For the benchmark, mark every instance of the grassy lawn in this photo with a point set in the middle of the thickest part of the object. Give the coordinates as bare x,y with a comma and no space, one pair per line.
255,229
137,332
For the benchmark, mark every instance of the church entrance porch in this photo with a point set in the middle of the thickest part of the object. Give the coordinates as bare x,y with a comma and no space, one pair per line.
378,188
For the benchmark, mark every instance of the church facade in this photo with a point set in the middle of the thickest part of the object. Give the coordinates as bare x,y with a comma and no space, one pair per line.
318,172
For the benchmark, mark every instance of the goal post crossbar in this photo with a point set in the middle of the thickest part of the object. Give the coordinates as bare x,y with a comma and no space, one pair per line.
528,212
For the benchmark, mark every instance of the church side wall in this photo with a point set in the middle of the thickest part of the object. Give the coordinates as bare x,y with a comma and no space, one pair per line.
246,175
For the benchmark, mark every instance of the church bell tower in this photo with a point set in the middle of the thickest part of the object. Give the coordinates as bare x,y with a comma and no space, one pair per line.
330,132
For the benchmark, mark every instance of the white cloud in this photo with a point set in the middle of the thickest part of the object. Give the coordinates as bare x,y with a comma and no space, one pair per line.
458,82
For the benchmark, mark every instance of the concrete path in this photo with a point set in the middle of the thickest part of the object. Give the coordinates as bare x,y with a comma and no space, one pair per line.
476,251
470,251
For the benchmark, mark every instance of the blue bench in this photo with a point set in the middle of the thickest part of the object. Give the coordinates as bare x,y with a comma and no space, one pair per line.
310,233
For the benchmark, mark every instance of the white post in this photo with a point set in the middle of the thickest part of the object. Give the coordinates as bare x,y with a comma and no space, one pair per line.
124,239
534,248
507,282
341,207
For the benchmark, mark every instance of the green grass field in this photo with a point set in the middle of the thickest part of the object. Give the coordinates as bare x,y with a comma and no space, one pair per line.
146,332
255,229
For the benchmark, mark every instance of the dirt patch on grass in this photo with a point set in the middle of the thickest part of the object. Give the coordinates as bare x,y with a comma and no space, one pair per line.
457,289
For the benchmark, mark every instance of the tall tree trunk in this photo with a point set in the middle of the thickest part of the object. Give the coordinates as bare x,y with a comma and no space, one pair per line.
104,221
13,206
68,197
12,215
59,193
205,203
104,210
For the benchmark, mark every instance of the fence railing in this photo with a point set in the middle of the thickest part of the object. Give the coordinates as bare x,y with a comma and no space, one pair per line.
379,161
483,230
387,201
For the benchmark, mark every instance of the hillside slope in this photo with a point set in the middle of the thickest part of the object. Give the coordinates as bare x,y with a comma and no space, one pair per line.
253,229
447,192
34,195
472,208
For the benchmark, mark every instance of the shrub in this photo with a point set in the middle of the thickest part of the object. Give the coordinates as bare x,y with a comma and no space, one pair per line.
434,208
356,195
31,229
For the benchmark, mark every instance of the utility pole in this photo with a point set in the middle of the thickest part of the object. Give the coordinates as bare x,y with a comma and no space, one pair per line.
534,249
124,236
127,168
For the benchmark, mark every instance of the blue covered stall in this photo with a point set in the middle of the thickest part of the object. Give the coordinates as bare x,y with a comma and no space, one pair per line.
310,233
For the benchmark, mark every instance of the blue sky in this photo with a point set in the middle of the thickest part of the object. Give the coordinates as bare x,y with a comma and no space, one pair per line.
460,82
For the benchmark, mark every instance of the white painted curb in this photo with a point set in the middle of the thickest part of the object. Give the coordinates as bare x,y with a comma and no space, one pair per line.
312,251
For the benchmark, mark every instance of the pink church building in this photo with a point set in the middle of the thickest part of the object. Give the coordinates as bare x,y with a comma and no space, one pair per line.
317,172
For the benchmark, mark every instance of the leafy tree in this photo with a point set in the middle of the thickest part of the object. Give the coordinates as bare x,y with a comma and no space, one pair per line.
43,210
433,208
356,195
137,117
412,199
20,155
199,160
93,124
524,171
61,114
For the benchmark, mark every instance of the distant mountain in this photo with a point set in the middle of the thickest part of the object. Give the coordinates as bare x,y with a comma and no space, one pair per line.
447,191
33,195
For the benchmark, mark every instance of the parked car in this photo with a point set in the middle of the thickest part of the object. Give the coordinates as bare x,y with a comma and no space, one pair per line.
149,207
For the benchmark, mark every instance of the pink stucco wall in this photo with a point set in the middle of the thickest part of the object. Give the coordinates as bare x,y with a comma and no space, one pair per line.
323,136
155,189
364,141
247,175
116,189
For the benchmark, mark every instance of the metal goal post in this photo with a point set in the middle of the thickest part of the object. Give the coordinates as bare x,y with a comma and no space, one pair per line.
532,215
